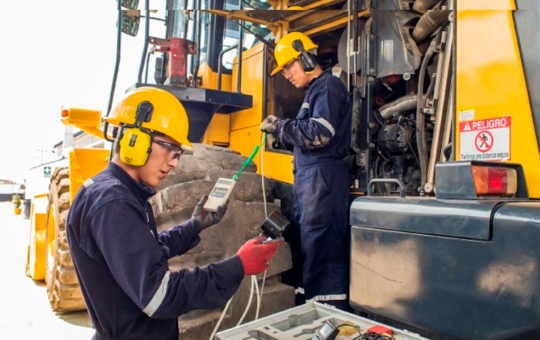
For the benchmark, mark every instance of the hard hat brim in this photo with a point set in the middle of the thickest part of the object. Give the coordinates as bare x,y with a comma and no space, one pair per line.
186,145
276,70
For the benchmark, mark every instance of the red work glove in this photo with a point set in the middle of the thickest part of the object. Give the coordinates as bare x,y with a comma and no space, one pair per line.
256,257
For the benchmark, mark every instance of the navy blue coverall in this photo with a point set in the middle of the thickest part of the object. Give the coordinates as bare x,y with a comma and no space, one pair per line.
321,138
121,262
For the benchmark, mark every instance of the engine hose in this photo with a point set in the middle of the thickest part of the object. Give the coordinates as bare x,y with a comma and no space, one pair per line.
431,87
428,24
424,5
421,142
402,104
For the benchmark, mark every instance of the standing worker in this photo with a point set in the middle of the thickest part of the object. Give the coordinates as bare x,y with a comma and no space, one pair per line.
321,136
119,257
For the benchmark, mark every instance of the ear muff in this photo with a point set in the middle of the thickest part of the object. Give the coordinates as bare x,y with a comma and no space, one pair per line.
135,146
135,141
306,60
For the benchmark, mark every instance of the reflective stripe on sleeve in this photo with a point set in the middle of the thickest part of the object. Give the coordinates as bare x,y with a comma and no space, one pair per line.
326,124
88,183
329,297
305,105
158,296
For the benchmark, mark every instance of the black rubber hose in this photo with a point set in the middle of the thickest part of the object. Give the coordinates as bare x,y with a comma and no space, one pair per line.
116,68
424,5
402,104
428,24
146,39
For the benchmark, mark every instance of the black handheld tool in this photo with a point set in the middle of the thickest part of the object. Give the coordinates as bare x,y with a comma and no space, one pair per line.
327,332
274,226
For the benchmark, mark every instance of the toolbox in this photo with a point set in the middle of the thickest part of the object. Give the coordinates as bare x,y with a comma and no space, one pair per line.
303,322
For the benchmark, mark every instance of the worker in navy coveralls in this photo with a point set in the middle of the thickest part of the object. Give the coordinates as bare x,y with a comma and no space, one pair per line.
120,258
320,136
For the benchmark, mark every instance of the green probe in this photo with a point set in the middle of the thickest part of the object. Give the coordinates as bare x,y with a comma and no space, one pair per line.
247,161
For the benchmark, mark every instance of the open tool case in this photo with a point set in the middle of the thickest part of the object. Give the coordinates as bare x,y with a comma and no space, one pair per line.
301,323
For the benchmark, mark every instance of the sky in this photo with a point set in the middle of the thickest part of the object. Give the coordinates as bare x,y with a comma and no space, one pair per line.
56,53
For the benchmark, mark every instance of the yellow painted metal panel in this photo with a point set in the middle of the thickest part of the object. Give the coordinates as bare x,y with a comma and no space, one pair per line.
485,5
35,261
245,140
277,166
209,78
88,120
491,84
252,84
83,164
218,131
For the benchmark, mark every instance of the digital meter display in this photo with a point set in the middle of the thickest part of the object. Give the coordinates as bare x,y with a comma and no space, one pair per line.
327,332
219,192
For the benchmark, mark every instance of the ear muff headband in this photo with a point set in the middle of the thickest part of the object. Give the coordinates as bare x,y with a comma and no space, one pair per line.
307,64
135,141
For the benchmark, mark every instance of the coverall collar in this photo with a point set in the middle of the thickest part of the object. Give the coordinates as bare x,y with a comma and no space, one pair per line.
315,79
143,192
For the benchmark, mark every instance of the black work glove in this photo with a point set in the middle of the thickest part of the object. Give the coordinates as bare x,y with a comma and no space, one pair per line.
208,218
267,124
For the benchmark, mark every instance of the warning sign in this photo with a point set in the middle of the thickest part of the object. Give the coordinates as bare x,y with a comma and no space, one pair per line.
486,139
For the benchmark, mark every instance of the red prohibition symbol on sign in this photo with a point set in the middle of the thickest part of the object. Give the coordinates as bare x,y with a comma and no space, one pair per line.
484,141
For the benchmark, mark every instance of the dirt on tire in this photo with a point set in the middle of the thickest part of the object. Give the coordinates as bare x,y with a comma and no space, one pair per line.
63,287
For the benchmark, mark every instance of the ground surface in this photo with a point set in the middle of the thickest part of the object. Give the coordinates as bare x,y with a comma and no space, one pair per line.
25,312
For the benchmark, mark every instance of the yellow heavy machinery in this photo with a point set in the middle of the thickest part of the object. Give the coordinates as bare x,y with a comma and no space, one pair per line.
444,162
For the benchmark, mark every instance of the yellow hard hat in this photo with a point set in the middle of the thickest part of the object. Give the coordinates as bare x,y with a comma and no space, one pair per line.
295,8
285,52
168,115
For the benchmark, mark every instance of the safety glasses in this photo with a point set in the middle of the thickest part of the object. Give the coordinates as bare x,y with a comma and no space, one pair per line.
288,66
174,149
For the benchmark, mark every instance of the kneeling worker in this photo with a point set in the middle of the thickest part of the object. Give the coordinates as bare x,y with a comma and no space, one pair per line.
119,257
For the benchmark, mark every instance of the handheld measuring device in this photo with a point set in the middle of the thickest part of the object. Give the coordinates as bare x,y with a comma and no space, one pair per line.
274,226
219,194
224,186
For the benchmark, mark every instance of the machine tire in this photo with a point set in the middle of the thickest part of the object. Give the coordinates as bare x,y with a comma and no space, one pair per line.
63,287
174,202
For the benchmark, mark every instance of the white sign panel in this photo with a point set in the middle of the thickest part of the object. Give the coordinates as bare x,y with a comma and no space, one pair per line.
485,139
466,115
47,171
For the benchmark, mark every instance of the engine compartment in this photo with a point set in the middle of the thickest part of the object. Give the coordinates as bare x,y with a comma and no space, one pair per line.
398,72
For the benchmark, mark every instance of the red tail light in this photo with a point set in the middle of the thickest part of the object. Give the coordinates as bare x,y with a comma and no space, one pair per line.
494,180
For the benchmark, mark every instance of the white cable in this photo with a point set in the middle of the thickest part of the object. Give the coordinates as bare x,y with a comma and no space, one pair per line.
258,298
262,179
220,319
253,279
264,279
